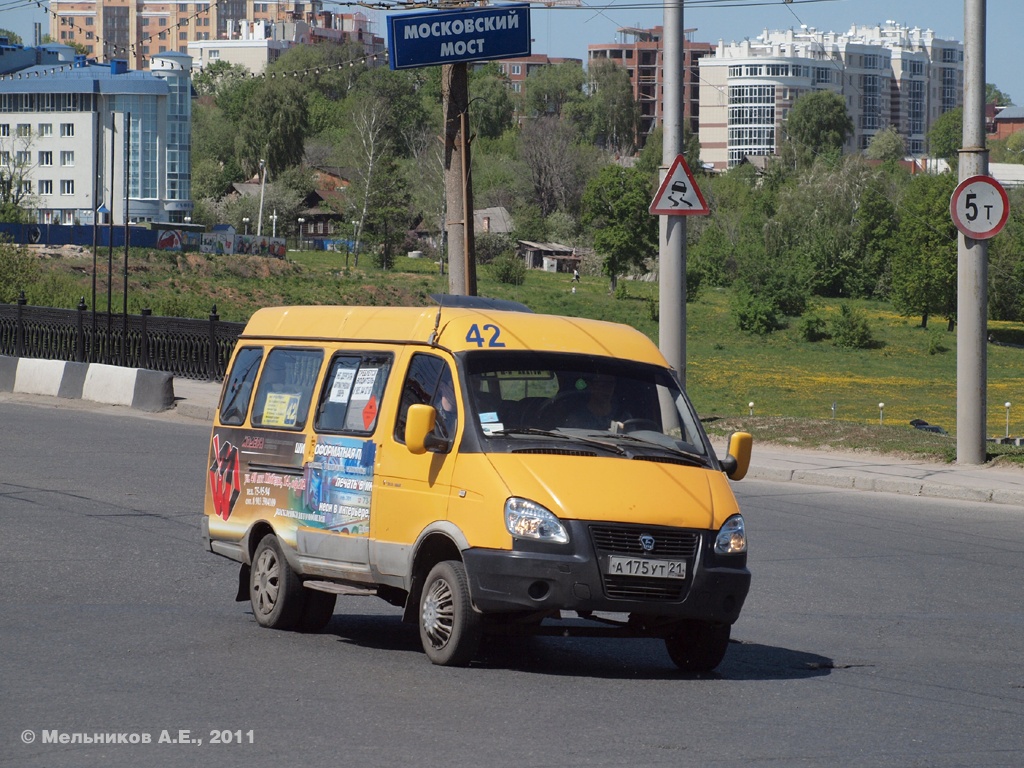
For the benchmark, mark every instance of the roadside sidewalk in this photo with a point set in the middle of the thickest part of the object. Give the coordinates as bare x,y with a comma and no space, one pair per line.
865,472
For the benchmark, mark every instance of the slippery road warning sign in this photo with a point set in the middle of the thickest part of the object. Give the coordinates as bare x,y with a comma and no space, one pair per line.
679,194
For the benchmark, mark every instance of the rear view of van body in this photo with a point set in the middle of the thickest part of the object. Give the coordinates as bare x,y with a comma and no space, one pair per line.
488,471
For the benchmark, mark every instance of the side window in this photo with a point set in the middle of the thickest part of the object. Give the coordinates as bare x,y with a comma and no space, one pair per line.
285,388
238,391
429,382
352,392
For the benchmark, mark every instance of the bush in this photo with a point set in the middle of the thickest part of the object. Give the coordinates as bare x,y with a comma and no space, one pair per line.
19,271
756,314
812,328
850,329
509,270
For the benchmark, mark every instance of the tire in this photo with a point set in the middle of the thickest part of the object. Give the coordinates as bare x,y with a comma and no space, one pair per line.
275,591
698,646
449,627
318,610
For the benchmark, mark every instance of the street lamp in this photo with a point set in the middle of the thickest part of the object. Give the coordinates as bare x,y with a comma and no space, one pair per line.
245,221
301,222
263,185
355,242
273,220
188,219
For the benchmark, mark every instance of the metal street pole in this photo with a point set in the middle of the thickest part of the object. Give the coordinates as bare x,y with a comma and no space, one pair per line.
672,244
972,256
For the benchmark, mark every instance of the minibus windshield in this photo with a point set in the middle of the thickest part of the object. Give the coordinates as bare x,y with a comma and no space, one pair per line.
552,394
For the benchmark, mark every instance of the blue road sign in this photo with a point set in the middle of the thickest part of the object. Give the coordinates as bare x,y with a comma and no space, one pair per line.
463,34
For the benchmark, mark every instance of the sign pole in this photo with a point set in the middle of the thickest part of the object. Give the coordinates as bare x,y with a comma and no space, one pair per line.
672,240
972,256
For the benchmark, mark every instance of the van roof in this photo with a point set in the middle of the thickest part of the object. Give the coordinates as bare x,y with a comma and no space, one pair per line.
458,329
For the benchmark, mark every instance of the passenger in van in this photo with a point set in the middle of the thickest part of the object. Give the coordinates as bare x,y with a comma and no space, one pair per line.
447,410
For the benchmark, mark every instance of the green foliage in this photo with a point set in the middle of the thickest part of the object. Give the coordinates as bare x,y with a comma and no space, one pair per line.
946,135
756,314
615,205
509,270
273,128
12,37
813,328
817,124
218,77
550,88
850,328
490,247
924,262
995,96
492,107
19,271
610,116
886,145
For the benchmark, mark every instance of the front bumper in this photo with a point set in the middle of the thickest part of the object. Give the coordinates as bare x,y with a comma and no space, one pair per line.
538,578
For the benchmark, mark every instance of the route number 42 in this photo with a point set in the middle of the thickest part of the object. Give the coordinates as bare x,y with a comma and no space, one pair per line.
490,331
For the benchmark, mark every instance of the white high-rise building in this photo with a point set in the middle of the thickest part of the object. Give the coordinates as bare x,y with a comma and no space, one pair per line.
63,138
888,75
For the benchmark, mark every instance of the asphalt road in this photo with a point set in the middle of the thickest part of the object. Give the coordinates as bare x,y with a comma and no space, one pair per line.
880,630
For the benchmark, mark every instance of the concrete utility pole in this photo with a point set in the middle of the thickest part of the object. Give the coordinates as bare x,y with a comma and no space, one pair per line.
972,256
672,243
458,187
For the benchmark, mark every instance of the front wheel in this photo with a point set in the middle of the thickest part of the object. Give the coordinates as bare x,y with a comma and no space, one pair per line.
275,590
449,627
698,646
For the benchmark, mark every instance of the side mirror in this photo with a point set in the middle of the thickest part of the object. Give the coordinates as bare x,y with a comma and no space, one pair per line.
419,430
737,462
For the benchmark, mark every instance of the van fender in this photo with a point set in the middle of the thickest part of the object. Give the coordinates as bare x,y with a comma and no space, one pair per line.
440,540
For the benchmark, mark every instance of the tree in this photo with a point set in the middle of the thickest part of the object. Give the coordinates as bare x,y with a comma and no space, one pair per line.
273,128
554,164
550,88
817,125
946,136
492,108
609,116
615,205
12,37
218,76
886,145
995,96
924,271
15,177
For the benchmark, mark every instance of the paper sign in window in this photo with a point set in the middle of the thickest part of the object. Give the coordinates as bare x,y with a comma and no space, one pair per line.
281,410
341,389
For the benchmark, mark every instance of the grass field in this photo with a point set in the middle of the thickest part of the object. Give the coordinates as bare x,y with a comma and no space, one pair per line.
791,382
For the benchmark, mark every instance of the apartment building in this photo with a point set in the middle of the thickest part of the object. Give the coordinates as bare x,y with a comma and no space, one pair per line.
641,52
889,75
255,44
63,132
136,30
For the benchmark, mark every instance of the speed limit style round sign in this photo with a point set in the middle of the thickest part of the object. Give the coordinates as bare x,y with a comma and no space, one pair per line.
979,207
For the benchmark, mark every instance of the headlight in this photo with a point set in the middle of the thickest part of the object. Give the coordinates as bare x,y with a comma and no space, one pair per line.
525,519
732,538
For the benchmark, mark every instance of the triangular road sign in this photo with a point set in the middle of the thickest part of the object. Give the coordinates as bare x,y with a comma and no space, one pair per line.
679,194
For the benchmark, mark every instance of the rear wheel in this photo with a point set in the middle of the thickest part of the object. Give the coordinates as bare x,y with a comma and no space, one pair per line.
275,590
317,611
698,646
449,627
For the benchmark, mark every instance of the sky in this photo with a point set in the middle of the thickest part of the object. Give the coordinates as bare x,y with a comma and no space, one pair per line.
567,32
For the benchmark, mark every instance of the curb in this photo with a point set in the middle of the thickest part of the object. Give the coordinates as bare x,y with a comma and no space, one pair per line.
137,388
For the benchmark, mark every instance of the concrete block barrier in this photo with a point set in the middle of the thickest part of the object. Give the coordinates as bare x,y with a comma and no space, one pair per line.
137,388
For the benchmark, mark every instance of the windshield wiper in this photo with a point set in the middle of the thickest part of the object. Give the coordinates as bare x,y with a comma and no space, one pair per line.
562,436
695,458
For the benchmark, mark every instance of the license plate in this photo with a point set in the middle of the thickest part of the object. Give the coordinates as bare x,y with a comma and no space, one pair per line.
652,569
